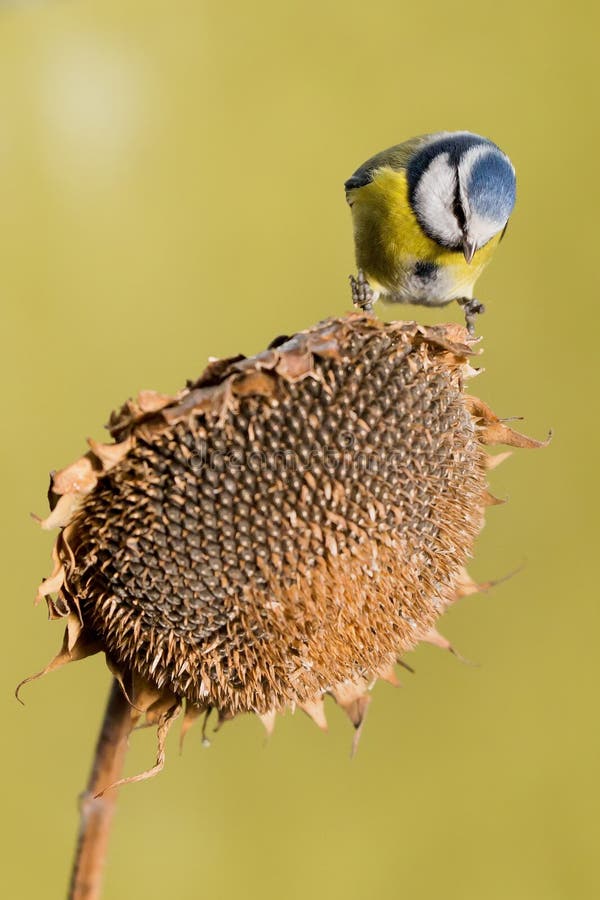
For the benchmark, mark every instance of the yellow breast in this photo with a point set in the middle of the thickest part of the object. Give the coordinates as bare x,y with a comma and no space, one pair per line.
390,242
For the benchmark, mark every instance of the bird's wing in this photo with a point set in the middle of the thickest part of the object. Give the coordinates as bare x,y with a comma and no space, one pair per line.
396,157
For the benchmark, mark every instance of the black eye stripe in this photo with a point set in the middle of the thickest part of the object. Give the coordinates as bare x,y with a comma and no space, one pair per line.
457,208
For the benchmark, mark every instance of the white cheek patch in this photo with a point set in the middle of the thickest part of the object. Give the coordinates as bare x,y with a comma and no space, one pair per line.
434,201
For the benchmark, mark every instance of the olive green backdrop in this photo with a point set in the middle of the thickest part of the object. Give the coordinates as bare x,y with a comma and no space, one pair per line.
171,188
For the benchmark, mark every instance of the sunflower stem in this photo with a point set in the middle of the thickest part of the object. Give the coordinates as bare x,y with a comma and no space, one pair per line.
96,813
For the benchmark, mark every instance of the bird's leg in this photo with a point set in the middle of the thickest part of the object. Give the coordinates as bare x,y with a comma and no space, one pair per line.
472,308
363,295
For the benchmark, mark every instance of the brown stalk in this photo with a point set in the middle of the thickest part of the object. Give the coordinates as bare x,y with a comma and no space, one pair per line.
97,811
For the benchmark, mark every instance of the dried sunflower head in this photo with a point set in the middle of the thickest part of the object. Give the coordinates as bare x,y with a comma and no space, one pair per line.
284,528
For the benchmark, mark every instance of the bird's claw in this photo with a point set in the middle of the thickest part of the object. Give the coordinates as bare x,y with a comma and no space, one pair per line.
472,308
363,295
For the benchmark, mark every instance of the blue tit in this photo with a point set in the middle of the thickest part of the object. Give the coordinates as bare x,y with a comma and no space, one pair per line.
428,215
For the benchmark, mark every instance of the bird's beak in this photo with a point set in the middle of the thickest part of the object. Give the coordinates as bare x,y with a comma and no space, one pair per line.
469,249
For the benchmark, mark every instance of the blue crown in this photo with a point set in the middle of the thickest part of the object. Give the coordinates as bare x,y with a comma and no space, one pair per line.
491,187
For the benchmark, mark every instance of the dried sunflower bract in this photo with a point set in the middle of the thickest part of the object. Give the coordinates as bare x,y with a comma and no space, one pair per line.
284,528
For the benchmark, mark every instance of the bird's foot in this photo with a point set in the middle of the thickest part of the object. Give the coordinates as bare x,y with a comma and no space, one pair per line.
472,308
363,295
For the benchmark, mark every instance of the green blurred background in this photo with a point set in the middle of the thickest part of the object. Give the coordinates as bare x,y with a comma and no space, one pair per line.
171,188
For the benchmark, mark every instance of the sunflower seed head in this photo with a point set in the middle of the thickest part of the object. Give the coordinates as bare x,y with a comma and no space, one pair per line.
282,529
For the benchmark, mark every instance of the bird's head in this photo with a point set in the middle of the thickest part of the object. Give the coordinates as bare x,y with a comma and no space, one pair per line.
461,188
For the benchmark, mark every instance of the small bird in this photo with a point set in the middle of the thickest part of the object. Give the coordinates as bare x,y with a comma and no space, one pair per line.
428,215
